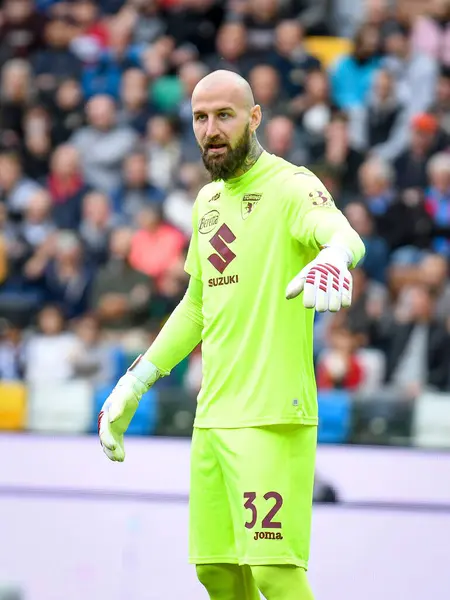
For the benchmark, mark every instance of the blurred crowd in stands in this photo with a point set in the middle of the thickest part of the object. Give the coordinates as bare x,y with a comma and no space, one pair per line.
99,170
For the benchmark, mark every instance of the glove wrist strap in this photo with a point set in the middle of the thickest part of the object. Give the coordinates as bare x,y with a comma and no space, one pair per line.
347,255
144,371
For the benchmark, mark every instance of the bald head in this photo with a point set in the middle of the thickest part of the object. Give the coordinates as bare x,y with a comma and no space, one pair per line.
229,83
225,119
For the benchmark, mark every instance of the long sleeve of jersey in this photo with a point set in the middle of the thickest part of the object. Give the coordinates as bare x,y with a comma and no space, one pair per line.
313,218
182,331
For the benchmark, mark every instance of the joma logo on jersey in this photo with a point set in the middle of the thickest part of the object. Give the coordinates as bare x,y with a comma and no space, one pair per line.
209,221
215,197
267,535
216,281
248,205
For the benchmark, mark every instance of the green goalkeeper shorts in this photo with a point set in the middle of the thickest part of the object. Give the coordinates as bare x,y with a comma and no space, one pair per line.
251,495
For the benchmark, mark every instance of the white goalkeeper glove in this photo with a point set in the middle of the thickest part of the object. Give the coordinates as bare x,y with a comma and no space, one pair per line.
120,406
326,282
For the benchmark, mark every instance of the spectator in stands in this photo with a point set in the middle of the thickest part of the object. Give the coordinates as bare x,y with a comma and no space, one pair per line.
433,272
189,75
157,62
231,50
178,205
61,273
121,295
431,32
66,186
13,253
195,23
21,29
92,358
348,15
55,62
338,155
351,78
16,95
103,145
15,188
266,86
400,220
68,111
381,126
37,143
313,111
103,75
415,73
155,245
260,18
437,201
96,226
163,151
137,190
135,106
338,366
37,225
410,166
171,289
92,35
290,58
12,356
417,346
280,139
145,20
52,344
376,258
441,105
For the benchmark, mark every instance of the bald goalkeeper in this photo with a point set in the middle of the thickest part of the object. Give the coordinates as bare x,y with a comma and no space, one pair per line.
268,247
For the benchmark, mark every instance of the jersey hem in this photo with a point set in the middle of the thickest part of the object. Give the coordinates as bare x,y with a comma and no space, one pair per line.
270,560
216,559
257,423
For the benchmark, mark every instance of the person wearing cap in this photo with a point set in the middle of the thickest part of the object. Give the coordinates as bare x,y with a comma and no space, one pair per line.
425,140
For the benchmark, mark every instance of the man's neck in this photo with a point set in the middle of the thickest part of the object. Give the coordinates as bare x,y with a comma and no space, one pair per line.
253,154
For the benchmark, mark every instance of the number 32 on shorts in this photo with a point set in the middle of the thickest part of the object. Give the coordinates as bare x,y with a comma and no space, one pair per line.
268,520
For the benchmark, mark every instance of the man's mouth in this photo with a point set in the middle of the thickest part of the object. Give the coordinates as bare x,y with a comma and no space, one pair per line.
216,148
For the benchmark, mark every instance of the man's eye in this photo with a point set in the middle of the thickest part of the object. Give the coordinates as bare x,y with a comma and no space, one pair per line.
224,115
200,117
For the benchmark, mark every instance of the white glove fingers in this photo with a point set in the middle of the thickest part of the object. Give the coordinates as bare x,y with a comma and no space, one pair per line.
295,287
316,282
334,289
347,288
309,293
104,432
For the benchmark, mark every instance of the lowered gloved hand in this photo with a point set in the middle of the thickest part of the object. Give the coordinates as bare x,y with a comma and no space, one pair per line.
121,404
326,282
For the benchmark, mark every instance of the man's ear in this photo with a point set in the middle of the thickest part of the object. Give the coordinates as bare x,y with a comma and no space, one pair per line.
255,118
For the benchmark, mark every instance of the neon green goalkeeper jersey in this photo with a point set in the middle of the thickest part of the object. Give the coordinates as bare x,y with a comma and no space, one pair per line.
251,236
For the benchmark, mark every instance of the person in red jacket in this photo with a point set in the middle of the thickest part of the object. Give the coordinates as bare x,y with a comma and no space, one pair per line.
339,366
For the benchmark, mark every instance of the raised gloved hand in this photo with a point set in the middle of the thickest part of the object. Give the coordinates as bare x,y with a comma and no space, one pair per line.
120,406
326,282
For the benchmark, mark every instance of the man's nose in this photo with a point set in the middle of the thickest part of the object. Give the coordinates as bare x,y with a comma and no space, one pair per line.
212,129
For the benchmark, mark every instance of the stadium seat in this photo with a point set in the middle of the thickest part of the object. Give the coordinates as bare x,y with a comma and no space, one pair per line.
12,405
176,412
381,417
62,407
328,49
334,416
431,421
145,419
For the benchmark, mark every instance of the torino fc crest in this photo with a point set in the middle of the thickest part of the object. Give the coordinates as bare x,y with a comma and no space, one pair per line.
249,203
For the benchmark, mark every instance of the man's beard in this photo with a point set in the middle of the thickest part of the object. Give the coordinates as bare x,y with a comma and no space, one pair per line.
223,166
